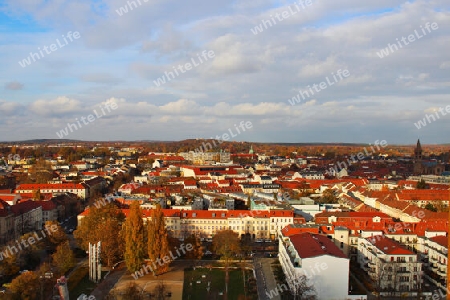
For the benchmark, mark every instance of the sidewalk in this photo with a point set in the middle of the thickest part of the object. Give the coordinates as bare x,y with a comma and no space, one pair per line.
265,279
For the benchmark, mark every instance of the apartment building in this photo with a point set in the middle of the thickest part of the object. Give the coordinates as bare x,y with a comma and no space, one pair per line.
395,270
433,252
80,189
317,258
206,223
201,158
27,217
6,222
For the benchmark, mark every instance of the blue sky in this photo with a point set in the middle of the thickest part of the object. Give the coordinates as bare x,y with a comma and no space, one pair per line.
118,57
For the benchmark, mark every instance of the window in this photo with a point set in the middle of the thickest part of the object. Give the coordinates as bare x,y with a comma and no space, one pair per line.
389,277
342,245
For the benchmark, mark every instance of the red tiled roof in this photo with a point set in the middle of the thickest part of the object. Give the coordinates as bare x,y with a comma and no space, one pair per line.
312,245
94,173
50,186
173,158
422,195
47,205
388,246
441,240
190,183
292,230
8,197
24,207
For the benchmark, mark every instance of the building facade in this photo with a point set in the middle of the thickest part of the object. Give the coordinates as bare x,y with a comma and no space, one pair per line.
318,259
395,270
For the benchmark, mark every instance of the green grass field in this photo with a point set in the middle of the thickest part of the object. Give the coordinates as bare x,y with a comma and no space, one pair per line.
196,284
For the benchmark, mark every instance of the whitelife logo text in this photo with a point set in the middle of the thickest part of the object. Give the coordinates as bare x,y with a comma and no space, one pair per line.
48,50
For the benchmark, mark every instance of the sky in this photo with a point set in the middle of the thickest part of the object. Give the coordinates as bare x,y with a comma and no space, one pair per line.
294,71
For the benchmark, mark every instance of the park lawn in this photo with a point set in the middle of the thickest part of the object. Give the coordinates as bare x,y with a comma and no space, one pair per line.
216,277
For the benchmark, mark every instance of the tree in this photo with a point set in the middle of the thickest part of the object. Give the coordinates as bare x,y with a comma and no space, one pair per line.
103,224
64,258
41,172
160,291
134,236
302,289
421,185
30,256
9,264
431,207
197,248
226,244
58,236
37,195
329,197
25,286
384,276
132,292
158,241
112,241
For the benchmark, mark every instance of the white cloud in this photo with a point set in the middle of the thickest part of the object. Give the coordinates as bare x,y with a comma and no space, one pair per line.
252,76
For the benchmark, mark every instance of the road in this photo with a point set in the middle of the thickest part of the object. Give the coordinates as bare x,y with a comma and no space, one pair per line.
265,279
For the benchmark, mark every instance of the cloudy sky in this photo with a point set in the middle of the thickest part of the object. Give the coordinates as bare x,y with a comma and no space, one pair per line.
110,53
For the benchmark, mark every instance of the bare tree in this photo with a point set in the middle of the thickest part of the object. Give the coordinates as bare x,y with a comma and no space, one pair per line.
303,289
160,291
385,277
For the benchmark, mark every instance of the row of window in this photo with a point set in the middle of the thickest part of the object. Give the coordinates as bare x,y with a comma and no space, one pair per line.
170,221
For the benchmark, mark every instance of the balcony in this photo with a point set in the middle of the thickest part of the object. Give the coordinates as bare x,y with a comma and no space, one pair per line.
371,264
433,259
366,267
442,272
434,267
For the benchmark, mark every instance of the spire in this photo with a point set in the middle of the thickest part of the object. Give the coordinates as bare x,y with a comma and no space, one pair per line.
418,146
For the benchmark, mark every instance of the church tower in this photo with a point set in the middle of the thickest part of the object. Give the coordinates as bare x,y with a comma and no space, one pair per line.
418,151
418,158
